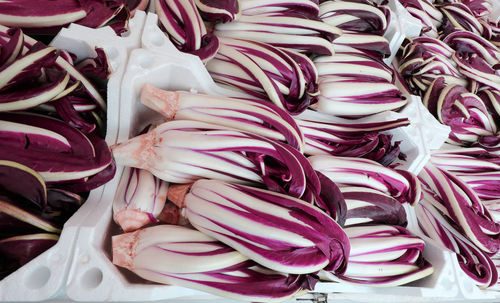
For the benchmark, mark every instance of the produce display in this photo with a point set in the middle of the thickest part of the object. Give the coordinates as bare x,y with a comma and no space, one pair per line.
454,67
52,119
291,174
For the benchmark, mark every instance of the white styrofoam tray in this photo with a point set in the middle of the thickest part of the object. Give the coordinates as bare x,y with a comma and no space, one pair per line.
394,34
45,276
94,278
409,26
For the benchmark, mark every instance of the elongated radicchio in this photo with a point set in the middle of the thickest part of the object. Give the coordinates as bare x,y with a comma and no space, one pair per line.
182,256
212,151
349,138
91,13
283,30
219,10
265,72
58,152
424,10
277,231
436,224
305,8
367,206
462,206
258,117
357,16
402,185
466,113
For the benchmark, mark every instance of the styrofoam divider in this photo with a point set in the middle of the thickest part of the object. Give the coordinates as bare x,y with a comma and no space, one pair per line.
435,134
413,143
45,276
394,35
409,25
416,149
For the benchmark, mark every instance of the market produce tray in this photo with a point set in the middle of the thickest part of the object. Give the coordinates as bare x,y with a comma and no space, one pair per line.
93,277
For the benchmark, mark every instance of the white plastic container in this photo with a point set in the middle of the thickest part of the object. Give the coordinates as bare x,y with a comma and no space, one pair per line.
94,278
395,36
45,276
409,25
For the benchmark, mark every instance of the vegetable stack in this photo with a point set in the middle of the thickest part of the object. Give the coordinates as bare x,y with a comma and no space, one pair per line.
52,117
454,67
313,80
460,185
290,179
237,174
47,17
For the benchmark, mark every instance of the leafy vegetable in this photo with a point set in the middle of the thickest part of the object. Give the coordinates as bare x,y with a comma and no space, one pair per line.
325,134
463,208
265,72
139,199
399,184
185,28
252,116
219,10
368,206
277,231
92,13
436,224
357,16
383,255
282,29
182,256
